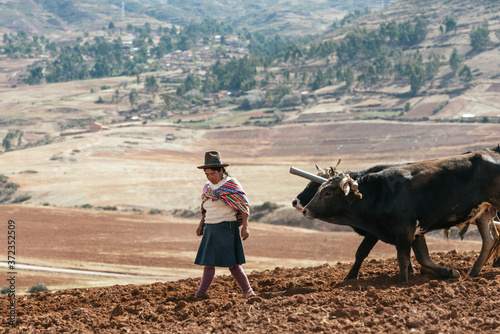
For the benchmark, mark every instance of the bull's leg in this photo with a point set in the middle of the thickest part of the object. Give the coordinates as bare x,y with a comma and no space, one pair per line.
489,234
403,248
361,253
421,251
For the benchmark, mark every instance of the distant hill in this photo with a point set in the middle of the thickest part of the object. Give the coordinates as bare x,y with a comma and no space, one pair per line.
284,17
390,63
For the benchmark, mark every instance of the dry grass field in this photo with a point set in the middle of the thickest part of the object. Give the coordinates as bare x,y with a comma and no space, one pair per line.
136,166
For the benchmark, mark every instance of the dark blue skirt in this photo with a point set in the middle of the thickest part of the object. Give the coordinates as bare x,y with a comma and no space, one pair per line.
221,246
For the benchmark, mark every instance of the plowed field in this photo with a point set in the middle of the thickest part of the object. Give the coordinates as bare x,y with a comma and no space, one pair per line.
296,273
313,299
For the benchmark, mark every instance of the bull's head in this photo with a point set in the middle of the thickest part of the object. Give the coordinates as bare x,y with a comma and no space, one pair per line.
312,187
332,197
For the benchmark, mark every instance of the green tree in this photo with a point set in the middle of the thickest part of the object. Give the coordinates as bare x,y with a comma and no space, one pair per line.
349,76
389,31
412,33
248,84
454,61
191,82
116,96
69,65
133,97
210,84
465,74
432,66
450,24
151,84
36,76
479,37
416,73
382,64
293,52
318,80
184,43
369,75
165,45
167,99
181,90
101,69
232,74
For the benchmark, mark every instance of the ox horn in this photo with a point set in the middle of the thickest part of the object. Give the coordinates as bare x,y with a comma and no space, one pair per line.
333,170
345,186
348,184
309,176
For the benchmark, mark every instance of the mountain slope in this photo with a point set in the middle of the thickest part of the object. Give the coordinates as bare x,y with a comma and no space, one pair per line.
268,16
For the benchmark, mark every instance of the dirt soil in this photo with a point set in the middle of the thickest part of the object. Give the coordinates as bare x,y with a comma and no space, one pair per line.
312,299
296,273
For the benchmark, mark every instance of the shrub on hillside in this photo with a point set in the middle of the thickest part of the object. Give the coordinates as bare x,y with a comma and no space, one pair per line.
185,213
289,100
108,208
7,189
194,96
20,199
252,100
39,287
259,211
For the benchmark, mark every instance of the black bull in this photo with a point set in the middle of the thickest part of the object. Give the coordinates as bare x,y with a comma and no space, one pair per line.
399,203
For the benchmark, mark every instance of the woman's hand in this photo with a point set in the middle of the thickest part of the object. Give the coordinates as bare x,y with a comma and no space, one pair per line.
244,233
199,230
201,226
244,226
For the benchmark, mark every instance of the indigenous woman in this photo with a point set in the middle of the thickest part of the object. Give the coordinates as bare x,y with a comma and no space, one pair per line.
224,209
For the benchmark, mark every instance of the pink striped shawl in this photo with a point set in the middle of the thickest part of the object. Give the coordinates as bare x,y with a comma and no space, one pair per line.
231,193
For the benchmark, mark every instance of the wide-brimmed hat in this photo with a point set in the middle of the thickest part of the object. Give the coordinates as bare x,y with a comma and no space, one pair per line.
213,160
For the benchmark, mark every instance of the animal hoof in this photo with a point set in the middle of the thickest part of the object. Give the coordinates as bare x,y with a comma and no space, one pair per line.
454,273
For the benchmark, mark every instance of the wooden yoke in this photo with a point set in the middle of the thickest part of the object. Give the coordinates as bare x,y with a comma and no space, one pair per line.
309,176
